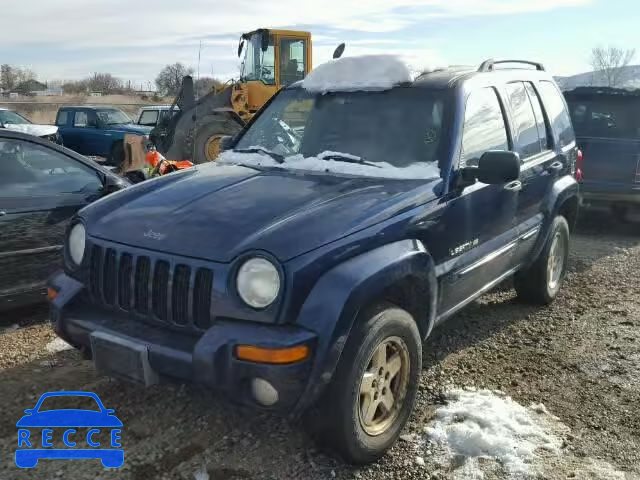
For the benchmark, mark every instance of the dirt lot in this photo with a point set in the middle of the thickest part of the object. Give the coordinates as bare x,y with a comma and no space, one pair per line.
580,358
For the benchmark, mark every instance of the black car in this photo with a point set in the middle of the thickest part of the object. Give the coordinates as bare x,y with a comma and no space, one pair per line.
42,185
302,272
607,124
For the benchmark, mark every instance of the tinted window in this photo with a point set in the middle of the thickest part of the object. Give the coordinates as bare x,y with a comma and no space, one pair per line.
607,117
31,170
543,131
80,119
63,116
526,130
148,117
484,127
557,112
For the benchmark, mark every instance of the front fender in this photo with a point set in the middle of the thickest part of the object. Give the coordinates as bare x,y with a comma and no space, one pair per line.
332,306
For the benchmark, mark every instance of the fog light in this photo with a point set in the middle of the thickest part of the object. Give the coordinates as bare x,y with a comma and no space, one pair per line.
264,393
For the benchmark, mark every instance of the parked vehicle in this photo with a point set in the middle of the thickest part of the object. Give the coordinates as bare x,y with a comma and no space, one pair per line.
304,269
42,185
97,131
154,115
16,122
607,123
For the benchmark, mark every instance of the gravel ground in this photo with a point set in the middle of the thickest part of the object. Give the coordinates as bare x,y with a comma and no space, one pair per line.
580,357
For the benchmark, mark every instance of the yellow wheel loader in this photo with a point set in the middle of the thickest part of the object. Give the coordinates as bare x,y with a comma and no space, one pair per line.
271,59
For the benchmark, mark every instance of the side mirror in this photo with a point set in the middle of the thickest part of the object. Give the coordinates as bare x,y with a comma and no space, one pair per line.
112,184
337,53
494,167
264,39
240,45
226,142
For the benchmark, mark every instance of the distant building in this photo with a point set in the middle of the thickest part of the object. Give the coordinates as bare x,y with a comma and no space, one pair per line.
29,87
49,92
95,94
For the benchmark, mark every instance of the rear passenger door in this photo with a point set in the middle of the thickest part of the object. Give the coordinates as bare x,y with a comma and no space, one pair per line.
543,137
478,223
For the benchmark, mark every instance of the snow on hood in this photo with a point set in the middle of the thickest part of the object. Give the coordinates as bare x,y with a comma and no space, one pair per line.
416,171
33,129
349,74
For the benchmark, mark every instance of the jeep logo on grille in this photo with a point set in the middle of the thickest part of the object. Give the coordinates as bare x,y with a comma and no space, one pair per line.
155,235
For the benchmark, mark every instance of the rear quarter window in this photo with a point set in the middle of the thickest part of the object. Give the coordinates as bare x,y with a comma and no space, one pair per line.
557,113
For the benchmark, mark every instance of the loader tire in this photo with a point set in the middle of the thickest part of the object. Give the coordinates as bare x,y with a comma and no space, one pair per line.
207,140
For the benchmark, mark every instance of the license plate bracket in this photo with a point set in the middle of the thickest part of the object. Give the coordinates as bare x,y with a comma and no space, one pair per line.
123,358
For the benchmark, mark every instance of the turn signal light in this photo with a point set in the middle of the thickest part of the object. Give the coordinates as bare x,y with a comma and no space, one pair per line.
278,356
52,293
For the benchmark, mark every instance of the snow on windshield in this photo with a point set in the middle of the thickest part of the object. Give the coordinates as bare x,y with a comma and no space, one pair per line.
418,170
350,74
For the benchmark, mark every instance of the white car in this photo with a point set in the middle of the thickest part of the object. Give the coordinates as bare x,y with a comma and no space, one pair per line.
16,122
152,115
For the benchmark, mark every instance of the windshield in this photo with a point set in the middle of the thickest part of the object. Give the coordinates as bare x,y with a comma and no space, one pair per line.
113,117
606,117
7,117
397,128
256,64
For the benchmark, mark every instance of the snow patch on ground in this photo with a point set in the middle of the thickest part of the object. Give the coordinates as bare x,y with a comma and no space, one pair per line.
483,425
418,170
350,74
57,345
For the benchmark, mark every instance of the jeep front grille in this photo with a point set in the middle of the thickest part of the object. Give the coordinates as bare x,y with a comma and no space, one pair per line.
174,294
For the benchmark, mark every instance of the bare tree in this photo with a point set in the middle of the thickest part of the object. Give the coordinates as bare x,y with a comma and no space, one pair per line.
7,77
169,80
205,85
610,63
104,83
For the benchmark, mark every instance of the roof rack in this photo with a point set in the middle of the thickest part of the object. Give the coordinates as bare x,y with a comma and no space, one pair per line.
487,65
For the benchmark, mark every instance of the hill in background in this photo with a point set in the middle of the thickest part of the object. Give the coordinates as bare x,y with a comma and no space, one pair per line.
630,76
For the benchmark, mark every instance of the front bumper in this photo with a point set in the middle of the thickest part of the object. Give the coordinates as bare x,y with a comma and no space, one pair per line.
206,359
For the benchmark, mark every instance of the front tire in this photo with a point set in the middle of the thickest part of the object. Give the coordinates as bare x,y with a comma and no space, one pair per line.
211,129
540,283
372,394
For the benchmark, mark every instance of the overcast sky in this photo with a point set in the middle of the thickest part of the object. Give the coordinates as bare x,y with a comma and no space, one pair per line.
69,39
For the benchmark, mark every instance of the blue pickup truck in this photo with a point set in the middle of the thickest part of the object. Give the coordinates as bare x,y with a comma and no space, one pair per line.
607,124
97,131
303,270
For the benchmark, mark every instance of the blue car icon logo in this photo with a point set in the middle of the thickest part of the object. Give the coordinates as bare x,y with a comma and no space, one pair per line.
34,445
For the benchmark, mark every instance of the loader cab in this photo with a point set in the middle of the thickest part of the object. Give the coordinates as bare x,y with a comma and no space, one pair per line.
272,59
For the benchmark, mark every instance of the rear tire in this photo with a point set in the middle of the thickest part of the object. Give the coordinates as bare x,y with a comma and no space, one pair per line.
540,283
374,388
210,130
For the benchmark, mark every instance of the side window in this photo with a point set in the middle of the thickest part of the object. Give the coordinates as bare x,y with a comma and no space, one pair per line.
29,169
80,119
543,130
557,112
526,132
149,118
484,127
267,71
292,61
63,117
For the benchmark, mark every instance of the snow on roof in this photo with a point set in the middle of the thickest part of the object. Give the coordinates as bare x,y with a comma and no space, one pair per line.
349,74
418,170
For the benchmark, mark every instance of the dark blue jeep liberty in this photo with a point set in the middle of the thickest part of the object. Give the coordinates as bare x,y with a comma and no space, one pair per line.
303,271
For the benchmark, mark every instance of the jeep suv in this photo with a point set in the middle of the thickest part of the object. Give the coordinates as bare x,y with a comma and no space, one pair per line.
303,271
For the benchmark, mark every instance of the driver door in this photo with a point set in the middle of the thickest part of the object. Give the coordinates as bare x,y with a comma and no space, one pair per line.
40,190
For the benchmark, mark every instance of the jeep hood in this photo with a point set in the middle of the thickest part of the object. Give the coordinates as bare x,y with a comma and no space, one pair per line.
217,212
33,129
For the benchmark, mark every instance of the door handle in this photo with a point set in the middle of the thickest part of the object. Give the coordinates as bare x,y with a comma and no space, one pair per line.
514,186
555,166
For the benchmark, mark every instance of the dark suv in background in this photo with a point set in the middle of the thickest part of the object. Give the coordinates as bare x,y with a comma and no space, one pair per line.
304,270
607,124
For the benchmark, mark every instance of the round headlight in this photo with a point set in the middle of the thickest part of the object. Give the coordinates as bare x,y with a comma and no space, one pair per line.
75,243
258,282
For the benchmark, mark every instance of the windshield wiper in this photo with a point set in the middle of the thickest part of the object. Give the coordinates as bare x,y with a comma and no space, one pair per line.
277,157
343,157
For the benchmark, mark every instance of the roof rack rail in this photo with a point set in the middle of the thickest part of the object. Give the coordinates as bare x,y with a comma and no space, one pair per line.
487,65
